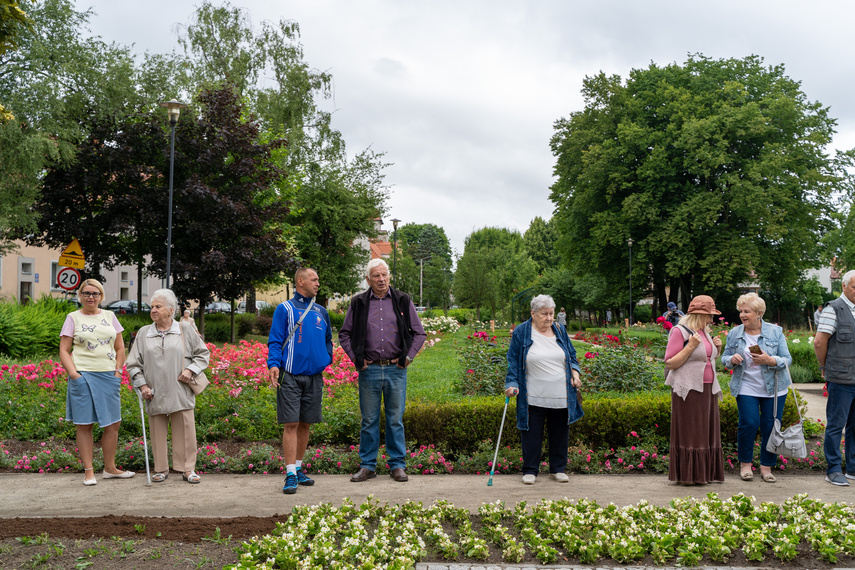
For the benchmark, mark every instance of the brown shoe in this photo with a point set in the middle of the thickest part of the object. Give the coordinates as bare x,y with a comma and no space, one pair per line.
399,475
363,475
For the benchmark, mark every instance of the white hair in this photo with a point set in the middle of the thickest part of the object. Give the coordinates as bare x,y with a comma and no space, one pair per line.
374,263
170,301
847,277
542,302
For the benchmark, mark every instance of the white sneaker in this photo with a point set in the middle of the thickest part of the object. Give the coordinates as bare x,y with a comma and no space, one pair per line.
848,476
529,479
560,477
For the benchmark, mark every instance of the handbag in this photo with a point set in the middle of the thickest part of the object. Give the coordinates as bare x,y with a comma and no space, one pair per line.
199,382
791,441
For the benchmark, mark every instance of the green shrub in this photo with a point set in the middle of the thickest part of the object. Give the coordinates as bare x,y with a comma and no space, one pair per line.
463,316
608,421
484,361
800,374
622,369
642,313
32,329
804,356
262,325
336,320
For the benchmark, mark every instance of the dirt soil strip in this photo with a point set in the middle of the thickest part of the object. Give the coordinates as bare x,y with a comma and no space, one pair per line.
183,529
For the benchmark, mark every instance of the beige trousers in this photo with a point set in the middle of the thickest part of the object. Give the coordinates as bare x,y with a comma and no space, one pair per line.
183,440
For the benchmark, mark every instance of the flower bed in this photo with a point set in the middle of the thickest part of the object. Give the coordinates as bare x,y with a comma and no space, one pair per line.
374,535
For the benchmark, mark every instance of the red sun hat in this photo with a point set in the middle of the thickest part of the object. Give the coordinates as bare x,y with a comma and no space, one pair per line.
703,305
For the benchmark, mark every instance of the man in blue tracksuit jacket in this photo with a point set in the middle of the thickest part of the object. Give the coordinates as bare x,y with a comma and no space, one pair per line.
295,367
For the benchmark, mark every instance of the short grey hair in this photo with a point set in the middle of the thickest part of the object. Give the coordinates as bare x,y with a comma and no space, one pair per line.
168,297
847,277
542,302
374,263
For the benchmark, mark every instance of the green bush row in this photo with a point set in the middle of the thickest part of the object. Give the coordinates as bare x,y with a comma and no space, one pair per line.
607,422
32,329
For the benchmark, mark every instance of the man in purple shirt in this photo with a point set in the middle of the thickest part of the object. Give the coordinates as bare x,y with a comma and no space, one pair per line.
382,335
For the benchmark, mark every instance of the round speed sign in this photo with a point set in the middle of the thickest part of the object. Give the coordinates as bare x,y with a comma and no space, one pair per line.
68,278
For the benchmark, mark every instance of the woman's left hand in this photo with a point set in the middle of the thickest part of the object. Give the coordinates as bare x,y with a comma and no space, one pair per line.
577,382
186,376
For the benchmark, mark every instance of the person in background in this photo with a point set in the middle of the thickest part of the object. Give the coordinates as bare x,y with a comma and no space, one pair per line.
188,318
562,317
381,334
834,346
696,454
753,382
92,351
166,357
543,374
673,314
295,365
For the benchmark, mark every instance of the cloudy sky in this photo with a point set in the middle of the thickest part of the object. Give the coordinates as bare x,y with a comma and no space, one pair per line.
462,95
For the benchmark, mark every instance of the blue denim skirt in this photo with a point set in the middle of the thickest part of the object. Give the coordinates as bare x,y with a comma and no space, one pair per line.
93,398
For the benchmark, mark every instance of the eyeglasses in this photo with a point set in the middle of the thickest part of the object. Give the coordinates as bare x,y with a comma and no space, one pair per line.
90,294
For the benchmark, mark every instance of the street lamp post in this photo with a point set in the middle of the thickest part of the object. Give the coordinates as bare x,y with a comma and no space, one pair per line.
629,242
395,251
174,109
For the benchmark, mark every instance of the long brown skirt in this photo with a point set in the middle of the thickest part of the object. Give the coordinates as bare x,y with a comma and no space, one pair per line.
696,455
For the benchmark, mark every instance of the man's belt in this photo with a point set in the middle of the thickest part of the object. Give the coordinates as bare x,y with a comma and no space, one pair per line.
384,362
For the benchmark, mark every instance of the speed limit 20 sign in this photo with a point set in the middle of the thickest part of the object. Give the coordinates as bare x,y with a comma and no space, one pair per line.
68,278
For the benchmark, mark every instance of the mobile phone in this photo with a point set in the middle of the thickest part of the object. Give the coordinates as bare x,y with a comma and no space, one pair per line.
755,349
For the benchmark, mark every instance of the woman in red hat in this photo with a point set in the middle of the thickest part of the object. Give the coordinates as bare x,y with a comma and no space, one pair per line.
696,455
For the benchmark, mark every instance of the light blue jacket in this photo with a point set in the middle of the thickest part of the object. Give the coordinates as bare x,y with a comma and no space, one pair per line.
520,344
773,343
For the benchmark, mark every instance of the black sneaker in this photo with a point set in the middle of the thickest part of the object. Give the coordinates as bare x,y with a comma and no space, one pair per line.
290,484
304,479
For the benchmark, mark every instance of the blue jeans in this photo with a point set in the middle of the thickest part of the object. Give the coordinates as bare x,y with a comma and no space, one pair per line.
840,414
388,383
756,413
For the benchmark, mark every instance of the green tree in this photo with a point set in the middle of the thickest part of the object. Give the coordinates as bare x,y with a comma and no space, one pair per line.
473,281
12,20
428,247
716,168
539,240
335,198
508,264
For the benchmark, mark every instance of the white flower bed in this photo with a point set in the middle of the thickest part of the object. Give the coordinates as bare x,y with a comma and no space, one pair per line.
442,324
324,536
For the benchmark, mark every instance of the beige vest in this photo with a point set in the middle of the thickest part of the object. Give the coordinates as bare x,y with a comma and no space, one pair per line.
690,376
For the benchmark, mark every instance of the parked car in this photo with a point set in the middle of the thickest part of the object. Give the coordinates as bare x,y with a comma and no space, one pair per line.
218,307
259,305
126,307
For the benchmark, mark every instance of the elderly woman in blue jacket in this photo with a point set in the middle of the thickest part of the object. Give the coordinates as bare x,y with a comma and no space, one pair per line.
543,374
757,352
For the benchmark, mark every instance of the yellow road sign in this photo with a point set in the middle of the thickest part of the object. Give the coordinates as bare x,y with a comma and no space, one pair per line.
72,256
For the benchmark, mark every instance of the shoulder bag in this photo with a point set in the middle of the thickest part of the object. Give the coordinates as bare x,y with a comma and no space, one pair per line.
199,382
791,441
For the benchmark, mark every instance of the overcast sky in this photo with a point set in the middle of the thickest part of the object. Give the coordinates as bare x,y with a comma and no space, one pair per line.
462,95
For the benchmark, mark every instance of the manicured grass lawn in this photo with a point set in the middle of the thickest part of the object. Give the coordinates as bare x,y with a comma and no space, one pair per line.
432,374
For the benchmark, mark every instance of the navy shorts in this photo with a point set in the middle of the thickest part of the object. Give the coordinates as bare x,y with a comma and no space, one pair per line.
299,398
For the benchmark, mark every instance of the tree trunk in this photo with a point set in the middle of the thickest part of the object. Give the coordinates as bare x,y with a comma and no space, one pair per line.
250,301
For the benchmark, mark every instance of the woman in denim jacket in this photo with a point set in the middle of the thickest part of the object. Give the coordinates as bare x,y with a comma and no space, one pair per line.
753,381
544,374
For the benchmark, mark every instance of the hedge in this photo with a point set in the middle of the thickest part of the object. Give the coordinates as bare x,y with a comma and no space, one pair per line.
460,426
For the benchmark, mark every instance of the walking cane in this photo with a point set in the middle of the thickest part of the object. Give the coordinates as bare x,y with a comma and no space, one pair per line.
498,442
145,442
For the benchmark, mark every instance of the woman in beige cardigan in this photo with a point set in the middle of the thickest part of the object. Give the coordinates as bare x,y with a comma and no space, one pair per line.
165,358
696,456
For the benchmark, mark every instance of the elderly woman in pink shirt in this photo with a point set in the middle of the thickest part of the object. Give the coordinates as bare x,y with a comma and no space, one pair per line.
696,456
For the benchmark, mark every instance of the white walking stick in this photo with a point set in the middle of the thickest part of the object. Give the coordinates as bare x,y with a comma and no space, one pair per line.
498,441
145,442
